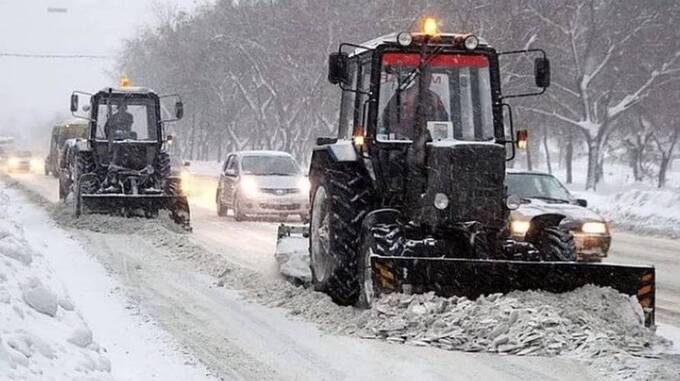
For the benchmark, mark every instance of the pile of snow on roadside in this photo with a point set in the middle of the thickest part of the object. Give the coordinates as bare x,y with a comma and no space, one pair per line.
641,210
42,335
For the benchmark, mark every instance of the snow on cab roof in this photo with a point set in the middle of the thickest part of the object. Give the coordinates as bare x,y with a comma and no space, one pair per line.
392,37
128,89
262,153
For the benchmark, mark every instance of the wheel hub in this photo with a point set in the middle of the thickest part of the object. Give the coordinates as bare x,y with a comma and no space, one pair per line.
320,236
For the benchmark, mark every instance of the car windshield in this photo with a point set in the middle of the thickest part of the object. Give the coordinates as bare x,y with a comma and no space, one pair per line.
269,165
527,185
455,102
128,118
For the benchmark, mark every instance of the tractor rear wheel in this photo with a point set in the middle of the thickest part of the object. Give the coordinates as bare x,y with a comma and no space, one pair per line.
339,204
556,244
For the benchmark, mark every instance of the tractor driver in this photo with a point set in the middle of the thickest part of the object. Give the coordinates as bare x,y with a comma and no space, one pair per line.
119,125
400,119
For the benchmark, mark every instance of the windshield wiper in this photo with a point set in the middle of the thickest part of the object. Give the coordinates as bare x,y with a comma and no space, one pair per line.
416,72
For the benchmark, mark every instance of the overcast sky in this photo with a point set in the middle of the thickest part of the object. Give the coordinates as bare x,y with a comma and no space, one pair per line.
33,91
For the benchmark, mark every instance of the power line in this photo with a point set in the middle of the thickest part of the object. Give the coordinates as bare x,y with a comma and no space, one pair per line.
58,56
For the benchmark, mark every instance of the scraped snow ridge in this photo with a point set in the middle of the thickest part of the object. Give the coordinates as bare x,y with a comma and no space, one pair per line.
42,335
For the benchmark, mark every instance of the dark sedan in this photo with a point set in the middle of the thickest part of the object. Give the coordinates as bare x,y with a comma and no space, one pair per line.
542,193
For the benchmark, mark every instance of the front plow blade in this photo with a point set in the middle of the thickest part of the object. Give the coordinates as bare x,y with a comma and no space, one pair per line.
473,277
142,205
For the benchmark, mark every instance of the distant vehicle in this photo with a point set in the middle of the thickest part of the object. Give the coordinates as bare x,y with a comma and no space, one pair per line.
542,193
22,161
60,133
262,183
6,144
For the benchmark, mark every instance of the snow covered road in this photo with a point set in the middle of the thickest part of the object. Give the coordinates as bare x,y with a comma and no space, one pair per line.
238,339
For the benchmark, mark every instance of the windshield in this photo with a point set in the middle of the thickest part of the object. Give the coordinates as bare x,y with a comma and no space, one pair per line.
269,165
528,185
455,104
129,118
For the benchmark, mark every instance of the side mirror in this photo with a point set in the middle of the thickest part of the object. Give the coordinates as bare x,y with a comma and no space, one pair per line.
582,202
74,102
522,139
338,71
186,163
179,110
542,72
231,172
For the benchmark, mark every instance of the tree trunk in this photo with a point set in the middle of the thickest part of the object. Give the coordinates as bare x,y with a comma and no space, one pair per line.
663,167
593,163
547,151
568,157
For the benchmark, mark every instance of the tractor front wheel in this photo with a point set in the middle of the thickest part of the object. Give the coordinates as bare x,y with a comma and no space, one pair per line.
339,204
556,244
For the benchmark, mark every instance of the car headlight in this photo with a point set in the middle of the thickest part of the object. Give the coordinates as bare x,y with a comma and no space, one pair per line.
304,185
13,162
520,228
36,163
594,228
248,186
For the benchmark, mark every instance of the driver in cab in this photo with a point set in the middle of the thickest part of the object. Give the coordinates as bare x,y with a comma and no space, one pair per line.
400,113
119,124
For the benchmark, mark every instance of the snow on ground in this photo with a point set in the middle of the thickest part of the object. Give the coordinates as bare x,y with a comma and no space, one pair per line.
205,168
63,317
602,330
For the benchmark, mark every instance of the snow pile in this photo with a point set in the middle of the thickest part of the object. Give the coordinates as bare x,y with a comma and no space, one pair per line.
292,256
42,335
647,211
589,322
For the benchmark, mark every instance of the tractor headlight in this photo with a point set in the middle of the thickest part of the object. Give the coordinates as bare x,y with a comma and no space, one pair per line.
248,186
404,39
594,228
471,42
304,185
441,201
513,202
520,228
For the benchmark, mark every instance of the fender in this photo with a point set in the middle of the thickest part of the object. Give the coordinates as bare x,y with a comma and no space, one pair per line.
342,151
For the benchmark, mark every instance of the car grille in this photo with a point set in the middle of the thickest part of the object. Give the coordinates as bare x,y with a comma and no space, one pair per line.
279,191
280,206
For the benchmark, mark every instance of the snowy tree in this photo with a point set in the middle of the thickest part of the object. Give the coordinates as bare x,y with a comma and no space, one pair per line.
608,57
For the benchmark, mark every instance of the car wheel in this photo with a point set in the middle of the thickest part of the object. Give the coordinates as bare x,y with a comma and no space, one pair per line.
238,213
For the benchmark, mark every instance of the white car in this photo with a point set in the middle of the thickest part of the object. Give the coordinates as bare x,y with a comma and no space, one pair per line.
262,183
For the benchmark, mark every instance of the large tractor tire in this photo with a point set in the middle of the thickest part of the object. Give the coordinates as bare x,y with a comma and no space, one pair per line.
556,244
340,202
83,163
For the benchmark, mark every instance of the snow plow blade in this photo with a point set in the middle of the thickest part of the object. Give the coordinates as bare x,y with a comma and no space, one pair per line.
138,205
472,277
292,252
